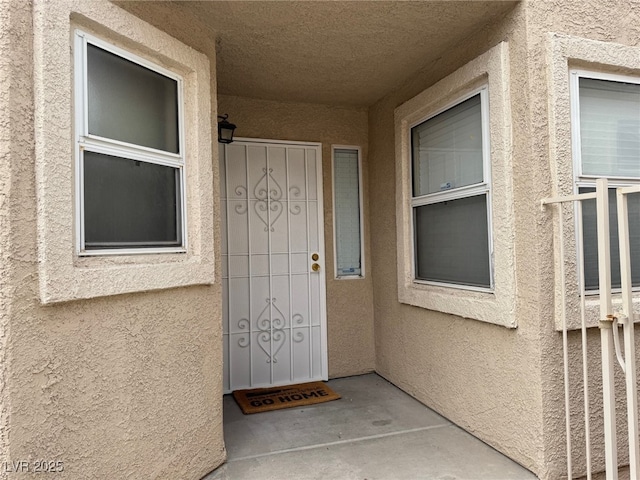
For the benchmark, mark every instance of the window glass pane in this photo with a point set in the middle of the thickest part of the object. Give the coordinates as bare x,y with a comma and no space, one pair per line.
610,128
452,243
347,212
131,103
590,230
447,149
130,203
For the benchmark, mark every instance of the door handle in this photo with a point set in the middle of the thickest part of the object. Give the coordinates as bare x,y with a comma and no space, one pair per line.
315,267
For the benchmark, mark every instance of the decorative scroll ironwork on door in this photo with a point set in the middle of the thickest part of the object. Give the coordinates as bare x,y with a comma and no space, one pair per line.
274,317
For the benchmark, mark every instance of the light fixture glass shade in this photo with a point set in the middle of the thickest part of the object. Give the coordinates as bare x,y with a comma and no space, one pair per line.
225,129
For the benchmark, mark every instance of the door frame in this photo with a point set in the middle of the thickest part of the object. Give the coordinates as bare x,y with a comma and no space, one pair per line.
324,351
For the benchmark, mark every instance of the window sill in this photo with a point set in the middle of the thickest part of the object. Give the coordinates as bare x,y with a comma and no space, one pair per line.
454,286
484,306
130,251
91,277
592,311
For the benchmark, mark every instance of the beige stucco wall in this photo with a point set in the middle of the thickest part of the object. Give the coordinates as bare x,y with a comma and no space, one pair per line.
485,378
611,22
125,386
14,24
349,302
130,385
505,386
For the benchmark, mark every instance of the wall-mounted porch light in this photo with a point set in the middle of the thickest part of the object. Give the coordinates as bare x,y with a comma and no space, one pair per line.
225,129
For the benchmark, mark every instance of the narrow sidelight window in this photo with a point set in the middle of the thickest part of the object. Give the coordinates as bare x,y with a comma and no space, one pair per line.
347,211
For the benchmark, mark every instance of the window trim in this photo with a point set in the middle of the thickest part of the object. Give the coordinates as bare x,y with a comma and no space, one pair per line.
466,191
361,213
64,276
564,54
84,141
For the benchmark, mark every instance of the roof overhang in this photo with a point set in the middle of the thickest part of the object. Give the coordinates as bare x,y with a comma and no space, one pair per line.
332,52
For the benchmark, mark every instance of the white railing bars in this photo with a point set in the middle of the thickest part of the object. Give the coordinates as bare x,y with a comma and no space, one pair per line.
608,324
627,319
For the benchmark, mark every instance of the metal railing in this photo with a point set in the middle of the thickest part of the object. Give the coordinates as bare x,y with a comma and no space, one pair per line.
609,323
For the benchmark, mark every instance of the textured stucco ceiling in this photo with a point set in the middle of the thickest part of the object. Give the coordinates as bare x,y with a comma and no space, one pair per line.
333,52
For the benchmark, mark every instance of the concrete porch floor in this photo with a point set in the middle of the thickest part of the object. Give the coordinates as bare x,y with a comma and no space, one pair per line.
375,431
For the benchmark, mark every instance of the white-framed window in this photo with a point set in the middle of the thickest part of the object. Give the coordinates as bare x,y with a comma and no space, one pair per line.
130,179
347,212
605,123
451,195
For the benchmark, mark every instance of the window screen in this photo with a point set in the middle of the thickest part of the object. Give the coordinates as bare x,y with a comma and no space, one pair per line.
447,149
452,243
590,240
130,203
609,128
131,103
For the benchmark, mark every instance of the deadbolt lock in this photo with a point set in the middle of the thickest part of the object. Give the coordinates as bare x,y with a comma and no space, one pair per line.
315,257
315,267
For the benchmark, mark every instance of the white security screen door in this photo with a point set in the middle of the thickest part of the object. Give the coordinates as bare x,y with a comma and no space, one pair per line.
273,264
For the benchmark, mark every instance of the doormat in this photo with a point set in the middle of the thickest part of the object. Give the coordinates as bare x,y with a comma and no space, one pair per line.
266,399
